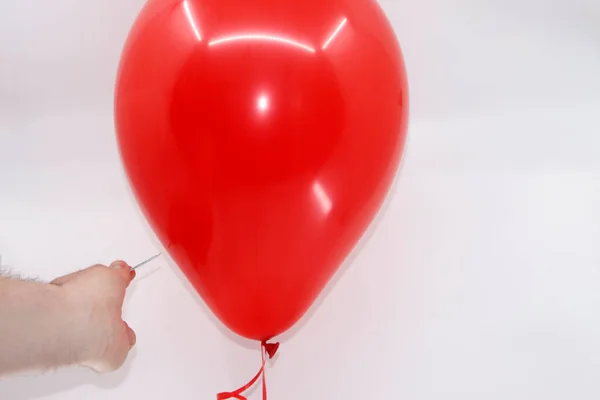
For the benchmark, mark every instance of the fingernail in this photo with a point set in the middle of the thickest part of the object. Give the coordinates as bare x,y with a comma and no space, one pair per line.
132,274
119,265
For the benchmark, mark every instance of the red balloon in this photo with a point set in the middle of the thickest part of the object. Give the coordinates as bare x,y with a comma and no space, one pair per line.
260,139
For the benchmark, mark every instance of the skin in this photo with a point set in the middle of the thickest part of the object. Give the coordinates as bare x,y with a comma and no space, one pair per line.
74,320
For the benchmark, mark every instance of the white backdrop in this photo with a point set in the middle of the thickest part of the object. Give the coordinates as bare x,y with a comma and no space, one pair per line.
481,280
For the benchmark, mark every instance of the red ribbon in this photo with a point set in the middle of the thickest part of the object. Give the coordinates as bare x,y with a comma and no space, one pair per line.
267,349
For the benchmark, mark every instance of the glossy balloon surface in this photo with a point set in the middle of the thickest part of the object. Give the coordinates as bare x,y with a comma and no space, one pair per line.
260,138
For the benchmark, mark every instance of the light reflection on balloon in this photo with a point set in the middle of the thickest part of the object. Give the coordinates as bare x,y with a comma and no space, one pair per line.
323,199
261,37
334,34
263,103
191,20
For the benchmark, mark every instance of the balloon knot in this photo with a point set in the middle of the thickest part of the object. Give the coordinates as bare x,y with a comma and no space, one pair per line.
271,348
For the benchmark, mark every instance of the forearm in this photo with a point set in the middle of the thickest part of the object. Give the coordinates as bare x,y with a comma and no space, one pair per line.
35,333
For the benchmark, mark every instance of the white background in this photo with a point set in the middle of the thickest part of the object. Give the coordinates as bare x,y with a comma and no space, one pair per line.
480,280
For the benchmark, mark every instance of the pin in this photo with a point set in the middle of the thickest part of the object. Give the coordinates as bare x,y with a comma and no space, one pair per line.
146,262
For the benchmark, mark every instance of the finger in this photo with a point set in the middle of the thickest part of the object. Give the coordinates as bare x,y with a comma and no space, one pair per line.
130,335
124,270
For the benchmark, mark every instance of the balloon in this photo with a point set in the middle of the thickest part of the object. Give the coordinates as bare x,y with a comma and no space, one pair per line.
260,139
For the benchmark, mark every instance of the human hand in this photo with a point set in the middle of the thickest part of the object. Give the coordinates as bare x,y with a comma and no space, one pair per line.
94,299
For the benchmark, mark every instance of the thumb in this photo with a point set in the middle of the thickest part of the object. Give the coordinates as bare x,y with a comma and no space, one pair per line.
124,270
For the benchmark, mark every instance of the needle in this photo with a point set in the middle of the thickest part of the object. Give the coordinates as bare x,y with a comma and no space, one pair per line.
146,262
